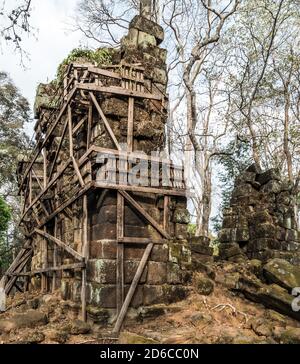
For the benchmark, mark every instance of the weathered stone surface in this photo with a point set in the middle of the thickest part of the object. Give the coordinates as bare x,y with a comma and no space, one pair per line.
271,296
148,26
281,272
102,249
201,245
203,285
290,336
97,314
229,250
130,268
56,336
102,271
80,328
31,318
261,218
157,273
131,338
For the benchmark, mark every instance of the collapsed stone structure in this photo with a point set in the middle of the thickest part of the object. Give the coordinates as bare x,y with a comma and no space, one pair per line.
106,243
261,221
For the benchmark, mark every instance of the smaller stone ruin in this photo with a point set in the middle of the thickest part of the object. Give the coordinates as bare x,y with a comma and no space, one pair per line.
261,220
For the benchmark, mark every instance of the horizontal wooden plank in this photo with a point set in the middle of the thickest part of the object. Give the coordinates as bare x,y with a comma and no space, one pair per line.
118,91
52,269
130,240
157,191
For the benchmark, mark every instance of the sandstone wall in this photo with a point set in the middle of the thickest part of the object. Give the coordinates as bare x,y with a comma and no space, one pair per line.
260,222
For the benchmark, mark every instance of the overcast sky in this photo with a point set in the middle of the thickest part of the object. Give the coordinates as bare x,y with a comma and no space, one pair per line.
54,40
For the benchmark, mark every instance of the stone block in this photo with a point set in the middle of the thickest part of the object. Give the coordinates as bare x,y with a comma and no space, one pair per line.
144,39
157,273
137,299
102,249
242,234
105,214
229,250
98,315
145,25
101,271
115,106
174,273
181,216
160,253
100,295
200,245
130,268
227,235
264,230
134,252
181,231
179,253
153,295
103,231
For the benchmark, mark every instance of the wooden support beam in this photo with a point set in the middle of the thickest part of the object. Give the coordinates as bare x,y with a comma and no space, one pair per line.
50,131
58,149
89,127
79,125
119,91
105,121
73,266
85,253
130,240
132,288
50,184
77,171
60,244
166,212
145,214
12,281
158,191
54,257
130,124
64,206
120,252
37,179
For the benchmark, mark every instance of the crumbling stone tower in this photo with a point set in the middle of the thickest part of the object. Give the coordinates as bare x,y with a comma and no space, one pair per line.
261,221
107,243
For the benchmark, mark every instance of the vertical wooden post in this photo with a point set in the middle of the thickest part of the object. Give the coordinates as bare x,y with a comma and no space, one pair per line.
54,256
166,212
71,149
89,131
45,244
30,188
85,253
120,252
130,124
132,288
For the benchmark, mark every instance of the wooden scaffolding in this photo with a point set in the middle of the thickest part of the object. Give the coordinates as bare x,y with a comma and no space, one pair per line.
75,108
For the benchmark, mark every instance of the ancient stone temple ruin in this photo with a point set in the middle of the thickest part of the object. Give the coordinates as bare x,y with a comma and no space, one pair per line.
261,220
101,222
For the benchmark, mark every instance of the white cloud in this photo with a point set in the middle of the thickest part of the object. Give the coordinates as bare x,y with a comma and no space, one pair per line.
52,43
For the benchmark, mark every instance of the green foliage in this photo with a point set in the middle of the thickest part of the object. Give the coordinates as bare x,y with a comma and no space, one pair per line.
234,159
14,113
5,216
192,229
98,57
